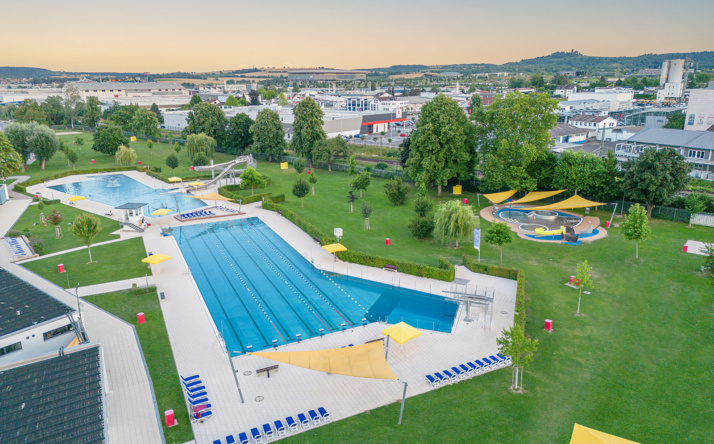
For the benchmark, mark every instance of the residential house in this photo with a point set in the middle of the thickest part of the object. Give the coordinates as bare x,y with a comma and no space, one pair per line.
565,90
593,124
565,133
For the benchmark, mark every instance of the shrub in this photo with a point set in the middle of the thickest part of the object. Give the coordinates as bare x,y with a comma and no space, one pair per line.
278,199
381,166
200,159
422,205
38,245
397,191
14,233
421,226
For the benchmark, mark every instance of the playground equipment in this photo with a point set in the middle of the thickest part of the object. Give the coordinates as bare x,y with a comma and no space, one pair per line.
544,232
227,167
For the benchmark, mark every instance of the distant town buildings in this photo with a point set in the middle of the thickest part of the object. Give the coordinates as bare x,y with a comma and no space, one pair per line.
565,91
116,90
700,112
325,75
671,80
592,124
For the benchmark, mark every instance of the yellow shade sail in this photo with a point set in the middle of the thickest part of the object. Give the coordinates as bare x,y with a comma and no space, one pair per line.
334,248
572,202
500,197
584,435
76,198
175,179
155,259
211,196
401,333
361,361
196,184
536,195
161,212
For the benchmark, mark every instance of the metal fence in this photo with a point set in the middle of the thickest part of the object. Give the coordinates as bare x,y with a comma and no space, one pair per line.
385,174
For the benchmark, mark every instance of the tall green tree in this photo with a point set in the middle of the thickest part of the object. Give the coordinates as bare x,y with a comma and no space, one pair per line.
655,177
251,178
300,189
154,108
268,134
577,171
328,151
442,147
195,100
453,222
499,234
125,156
172,161
200,143
520,349
54,109
475,103
92,113
307,128
397,191
352,168
676,121
145,123
29,111
73,104
238,135
583,279
44,143
231,101
19,134
123,116
10,160
85,228
254,97
209,119
361,182
636,227
282,101
108,139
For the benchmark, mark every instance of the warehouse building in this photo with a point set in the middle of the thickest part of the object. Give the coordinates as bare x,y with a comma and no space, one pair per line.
325,75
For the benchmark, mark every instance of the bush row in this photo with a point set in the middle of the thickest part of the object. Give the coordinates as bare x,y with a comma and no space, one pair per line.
298,220
509,273
22,187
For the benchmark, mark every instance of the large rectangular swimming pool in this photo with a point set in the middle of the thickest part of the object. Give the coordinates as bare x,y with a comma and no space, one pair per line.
258,289
118,189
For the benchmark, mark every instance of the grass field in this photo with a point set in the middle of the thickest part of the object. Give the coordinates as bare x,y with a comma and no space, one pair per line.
152,157
157,352
636,364
30,221
111,262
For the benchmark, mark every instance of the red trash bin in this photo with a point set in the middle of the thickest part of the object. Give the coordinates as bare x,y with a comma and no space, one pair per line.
548,325
685,248
387,242
140,318
607,224
169,415
60,268
466,201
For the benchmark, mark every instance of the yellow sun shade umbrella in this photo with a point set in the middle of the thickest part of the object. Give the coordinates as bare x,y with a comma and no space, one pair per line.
161,212
76,198
155,259
196,184
175,179
401,333
334,248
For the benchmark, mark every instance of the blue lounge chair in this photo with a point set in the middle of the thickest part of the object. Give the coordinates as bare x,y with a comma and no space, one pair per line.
315,417
442,378
475,369
502,362
280,428
506,358
243,438
216,441
430,379
257,438
292,425
198,401
189,378
459,374
268,432
196,383
304,422
230,439
491,364
195,388
467,371
197,395
484,367
323,414
200,416
450,375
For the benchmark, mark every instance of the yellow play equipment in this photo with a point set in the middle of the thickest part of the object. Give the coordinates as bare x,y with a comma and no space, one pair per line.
544,232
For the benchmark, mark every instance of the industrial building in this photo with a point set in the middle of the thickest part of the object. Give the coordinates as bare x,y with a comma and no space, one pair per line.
325,75
700,112
671,80
619,98
117,90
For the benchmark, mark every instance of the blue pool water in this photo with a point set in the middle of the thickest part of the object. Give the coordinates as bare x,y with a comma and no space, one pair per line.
118,189
259,289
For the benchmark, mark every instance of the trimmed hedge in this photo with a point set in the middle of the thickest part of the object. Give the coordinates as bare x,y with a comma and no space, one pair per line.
278,199
509,273
22,187
445,271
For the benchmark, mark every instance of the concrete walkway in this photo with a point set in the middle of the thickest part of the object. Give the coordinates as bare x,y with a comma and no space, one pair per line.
109,287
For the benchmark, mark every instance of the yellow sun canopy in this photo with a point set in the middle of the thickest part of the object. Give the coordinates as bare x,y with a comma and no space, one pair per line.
334,248
162,212
361,361
196,184
584,435
211,196
536,195
572,202
401,333
76,198
155,259
175,179
500,197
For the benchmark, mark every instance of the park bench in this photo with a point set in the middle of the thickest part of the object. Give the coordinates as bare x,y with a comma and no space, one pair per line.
375,340
390,267
266,370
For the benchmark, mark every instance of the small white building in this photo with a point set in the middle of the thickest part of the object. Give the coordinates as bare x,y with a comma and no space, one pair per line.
592,124
619,133
32,323
565,91
564,133
700,112
619,98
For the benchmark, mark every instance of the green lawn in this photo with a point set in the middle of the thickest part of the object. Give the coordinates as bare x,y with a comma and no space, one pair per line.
157,352
152,157
111,262
636,364
30,221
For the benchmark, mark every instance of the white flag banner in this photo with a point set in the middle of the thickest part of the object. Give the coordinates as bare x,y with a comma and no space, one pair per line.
477,239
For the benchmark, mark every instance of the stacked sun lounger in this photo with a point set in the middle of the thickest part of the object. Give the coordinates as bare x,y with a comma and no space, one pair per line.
195,214
199,408
229,210
15,247
467,370
279,428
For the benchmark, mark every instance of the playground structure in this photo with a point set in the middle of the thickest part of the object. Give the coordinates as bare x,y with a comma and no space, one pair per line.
228,169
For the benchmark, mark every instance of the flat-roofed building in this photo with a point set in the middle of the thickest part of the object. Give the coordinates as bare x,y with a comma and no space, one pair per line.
326,75
116,90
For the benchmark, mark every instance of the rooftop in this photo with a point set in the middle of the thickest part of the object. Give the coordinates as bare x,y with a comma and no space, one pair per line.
128,85
563,129
669,137
23,305
56,399
131,206
582,118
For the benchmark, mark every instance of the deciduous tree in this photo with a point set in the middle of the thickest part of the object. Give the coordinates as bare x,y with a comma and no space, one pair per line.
44,143
636,227
108,138
29,111
154,108
251,178
300,189
268,134
172,161
231,101
328,151
195,100
361,182
200,143
206,118
10,160
53,109
238,135
123,116
307,128
499,234
85,228
92,113
73,103
19,134
397,191
145,123
520,349
583,279
695,203
125,156
453,222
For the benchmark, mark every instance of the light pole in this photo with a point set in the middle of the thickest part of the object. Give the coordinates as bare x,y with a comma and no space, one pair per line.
230,359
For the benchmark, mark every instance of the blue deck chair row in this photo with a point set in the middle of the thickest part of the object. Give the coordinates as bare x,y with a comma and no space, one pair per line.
199,408
463,371
202,213
15,246
278,429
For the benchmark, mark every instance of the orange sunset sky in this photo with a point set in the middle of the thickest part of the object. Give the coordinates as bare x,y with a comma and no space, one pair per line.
164,36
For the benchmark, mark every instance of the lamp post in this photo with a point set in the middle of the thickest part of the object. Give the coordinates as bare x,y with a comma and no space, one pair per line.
230,359
404,397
